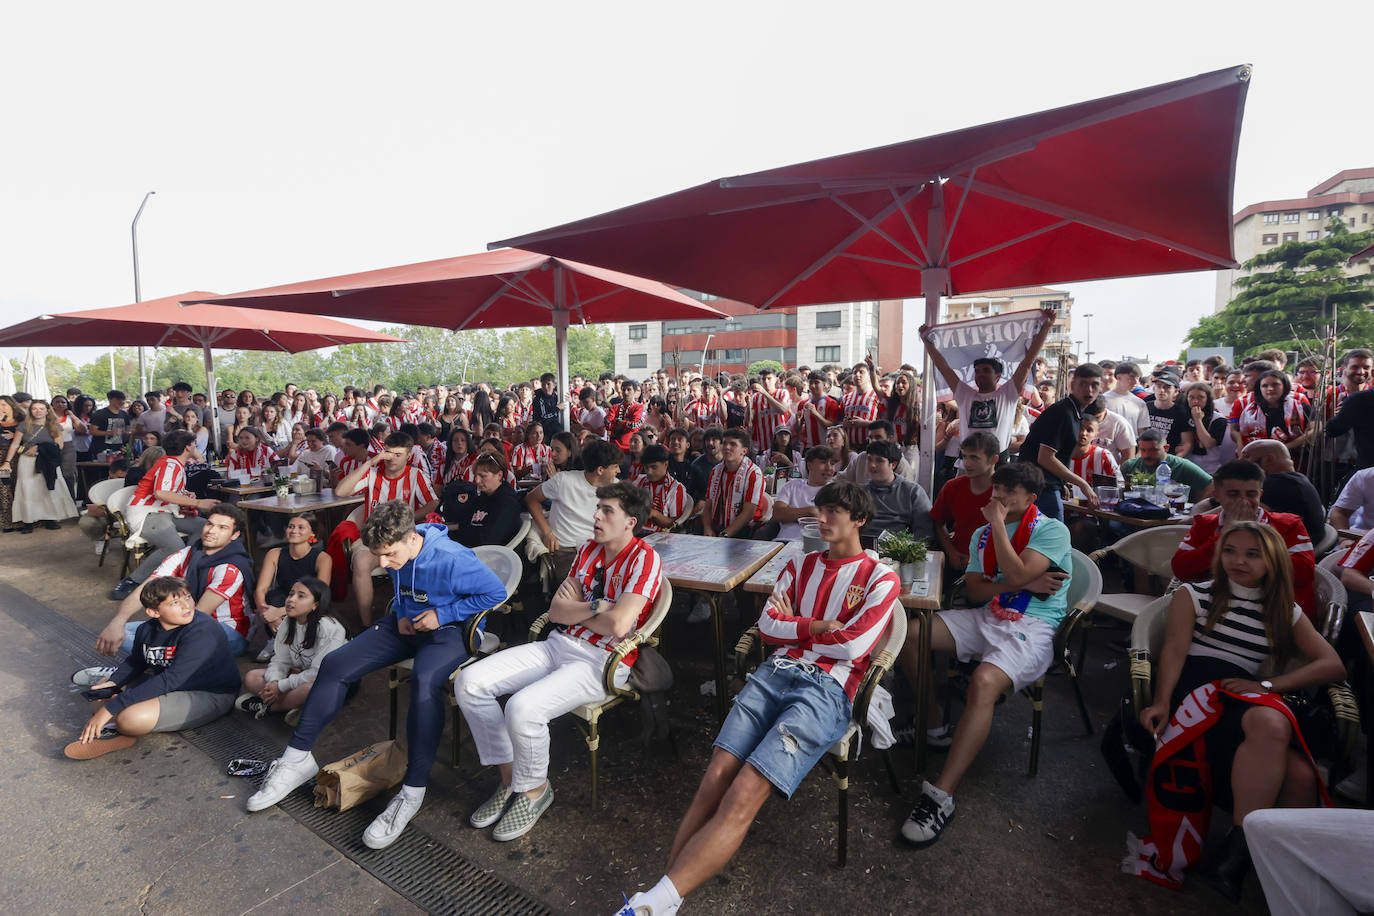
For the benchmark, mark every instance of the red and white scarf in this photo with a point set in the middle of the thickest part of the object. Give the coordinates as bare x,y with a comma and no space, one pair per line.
1178,793
1008,605
1254,423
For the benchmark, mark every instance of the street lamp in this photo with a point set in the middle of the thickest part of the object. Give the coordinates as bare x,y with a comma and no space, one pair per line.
138,297
1088,334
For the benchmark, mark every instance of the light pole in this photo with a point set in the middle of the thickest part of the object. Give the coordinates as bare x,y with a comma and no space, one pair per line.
138,297
705,347
1088,335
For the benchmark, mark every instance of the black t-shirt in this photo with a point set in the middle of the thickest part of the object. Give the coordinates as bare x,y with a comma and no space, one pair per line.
1056,427
101,421
545,412
1216,429
1289,491
485,518
1356,413
686,473
1171,423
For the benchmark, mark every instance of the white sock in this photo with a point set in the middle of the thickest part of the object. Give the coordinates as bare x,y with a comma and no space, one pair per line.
294,755
940,795
413,793
937,732
662,899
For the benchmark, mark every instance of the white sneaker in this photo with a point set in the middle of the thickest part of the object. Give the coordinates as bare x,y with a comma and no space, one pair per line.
701,611
386,828
282,779
87,678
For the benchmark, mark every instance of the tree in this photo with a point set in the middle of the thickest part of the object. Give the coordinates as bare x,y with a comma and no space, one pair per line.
756,367
1290,294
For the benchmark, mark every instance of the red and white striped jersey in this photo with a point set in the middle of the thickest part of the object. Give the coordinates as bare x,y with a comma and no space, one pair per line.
1360,557
168,475
412,487
255,462
395,423
859,591
436,452
419,460
225,581
532,455
1097,461
859,411
668,496
727,491
810,428
525,412
701,413
765,419
636,570
457,470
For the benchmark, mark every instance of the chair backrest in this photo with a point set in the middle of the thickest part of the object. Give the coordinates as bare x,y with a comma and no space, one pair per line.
1332,562
895,637
1329,537
504,562
1332,601
660,609
1147,632
118,501
100,493
1085,584
1152,549
515,542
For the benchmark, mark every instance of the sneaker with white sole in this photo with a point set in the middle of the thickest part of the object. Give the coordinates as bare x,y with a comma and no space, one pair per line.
265,655
292,717
929,818
252,704
282,779
522,815
87,678
639,905
386,827
491,810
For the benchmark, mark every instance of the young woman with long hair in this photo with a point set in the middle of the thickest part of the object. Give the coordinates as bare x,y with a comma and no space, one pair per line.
299,646
482,413
1212,447
836,439
275,431
38,496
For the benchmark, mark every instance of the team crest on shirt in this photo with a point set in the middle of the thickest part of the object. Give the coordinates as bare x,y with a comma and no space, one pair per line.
853,597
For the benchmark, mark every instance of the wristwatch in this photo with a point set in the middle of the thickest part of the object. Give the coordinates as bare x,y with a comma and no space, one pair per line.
1268,686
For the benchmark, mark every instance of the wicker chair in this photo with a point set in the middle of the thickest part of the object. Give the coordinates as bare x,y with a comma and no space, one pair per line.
506,564
1150,549
590,713
840,756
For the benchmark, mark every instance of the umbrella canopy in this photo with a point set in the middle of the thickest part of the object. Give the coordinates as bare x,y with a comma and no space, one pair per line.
1132,184
166,323
6,376
36,375
1361,255
496,289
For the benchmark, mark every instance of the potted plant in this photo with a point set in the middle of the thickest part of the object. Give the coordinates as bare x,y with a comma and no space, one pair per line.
907,552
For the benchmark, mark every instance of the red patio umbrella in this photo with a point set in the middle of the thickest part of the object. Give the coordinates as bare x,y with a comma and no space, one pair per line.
1361,255
166,323
496,289
1131,184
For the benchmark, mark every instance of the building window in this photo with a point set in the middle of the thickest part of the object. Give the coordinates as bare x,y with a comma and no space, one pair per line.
1290,236
1270,238
1052,304
1314,214
1334,211
1312,234
639,360
639,331
827,354
1364,217
827,320
1271,217
1291,217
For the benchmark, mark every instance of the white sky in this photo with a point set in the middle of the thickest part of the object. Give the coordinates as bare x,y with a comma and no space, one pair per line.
288,141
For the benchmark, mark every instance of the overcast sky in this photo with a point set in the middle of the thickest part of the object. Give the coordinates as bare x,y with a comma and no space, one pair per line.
288,141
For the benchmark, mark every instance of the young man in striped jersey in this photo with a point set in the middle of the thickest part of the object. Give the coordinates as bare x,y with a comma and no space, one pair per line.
609,593
668,498
1018,569
828,611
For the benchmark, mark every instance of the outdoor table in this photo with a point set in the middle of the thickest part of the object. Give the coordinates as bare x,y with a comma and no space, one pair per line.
324,504
1366,625
1109,516
1351,534
245,490
711,566
83,469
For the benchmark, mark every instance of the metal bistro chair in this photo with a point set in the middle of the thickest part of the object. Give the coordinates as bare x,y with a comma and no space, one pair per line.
844,752
1085,588
118,508
99,495
506,564
590,713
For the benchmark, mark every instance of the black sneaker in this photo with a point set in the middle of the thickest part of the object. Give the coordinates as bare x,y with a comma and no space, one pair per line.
928,819
251,704
937,739
124,589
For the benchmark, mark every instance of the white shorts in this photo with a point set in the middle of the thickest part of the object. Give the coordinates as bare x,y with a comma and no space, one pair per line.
1021,649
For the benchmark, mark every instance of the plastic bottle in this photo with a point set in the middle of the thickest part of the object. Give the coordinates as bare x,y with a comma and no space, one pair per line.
1164,474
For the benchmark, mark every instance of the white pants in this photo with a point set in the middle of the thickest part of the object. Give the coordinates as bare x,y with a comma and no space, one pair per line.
1313,860
545,679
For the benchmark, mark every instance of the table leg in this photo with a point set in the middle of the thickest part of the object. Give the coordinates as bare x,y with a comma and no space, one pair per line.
250,541
718,633
924,686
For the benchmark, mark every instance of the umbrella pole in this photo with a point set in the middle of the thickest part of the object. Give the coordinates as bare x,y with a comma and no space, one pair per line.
934,283
211,396
560,343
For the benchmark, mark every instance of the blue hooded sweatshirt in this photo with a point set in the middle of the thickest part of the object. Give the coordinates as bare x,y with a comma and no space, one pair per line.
447,577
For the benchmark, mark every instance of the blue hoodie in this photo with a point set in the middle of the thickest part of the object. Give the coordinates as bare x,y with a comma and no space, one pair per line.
447,577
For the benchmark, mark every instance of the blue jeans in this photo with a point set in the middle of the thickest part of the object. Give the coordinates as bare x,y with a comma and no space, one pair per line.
237,644
786,717
437,655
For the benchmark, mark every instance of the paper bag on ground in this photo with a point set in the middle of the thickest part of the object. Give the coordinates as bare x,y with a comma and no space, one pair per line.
360,776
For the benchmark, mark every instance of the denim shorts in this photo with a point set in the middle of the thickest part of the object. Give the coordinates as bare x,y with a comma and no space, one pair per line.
786,717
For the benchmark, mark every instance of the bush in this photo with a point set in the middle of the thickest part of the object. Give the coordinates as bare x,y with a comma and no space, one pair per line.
756,368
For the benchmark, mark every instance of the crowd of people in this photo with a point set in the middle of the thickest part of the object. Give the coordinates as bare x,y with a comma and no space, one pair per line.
445,469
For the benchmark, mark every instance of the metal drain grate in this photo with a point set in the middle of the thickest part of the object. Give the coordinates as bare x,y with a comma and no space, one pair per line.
417,866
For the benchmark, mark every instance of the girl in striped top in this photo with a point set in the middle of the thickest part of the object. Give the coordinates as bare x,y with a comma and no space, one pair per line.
1241,629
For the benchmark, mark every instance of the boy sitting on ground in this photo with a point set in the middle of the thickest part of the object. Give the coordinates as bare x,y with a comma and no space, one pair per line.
798,703
1018,570
179,675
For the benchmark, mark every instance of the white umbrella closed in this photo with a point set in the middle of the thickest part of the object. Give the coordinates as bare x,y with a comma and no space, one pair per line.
6,376
35,375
